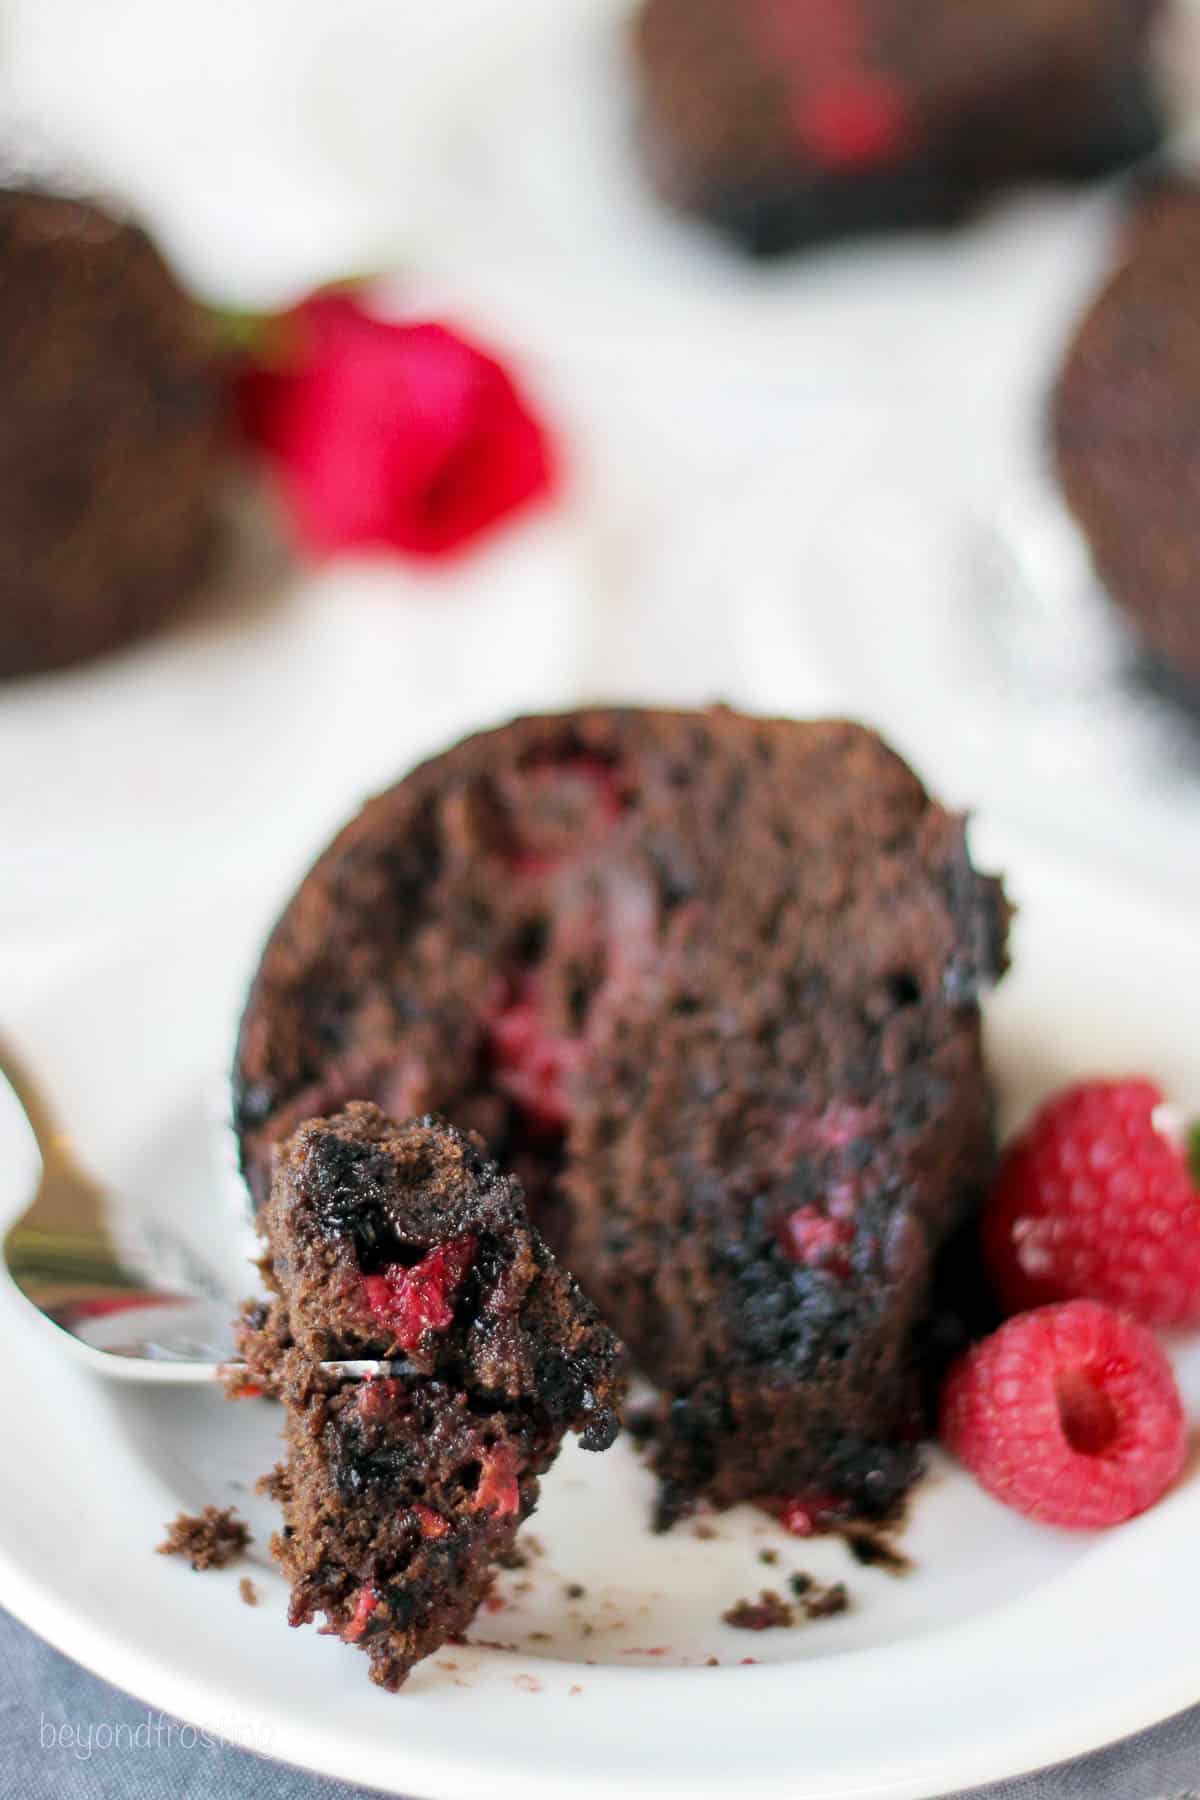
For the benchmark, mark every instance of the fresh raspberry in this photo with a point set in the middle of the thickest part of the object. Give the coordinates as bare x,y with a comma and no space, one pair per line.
1094,1202
1070,1414
409,1302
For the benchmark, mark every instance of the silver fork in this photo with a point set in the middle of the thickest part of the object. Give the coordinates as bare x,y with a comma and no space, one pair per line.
62,1260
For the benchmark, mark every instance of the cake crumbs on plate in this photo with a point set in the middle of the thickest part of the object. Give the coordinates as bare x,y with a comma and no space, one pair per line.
515,1558
770,1557
274,1485
248,1591
766,1613
874,1550
209,1539
575,1590
772,1612
826,1603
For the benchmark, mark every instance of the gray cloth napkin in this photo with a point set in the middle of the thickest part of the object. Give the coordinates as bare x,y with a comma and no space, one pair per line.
59,1741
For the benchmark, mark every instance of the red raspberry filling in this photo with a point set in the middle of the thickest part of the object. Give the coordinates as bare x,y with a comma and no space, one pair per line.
1070,1414
804,1516
380,1398
819,1237
365,1605
430,1523
498,1491
841,1125
809,1238
409,1302
533,1066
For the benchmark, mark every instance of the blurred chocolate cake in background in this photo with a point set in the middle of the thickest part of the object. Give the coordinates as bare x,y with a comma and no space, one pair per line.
111,440
789,121
1126,432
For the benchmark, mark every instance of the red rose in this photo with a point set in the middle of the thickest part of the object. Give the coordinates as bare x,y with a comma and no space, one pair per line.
396,436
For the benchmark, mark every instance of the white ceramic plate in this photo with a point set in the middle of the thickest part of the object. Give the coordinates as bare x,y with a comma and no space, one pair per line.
958,610
1009,1645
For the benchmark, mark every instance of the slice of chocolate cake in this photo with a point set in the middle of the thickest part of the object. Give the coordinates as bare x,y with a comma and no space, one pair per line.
400,1491
1125,433
111,436
711,984
785,121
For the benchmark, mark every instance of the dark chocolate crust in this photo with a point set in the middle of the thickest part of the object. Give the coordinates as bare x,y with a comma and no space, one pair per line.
747,1091
785,123
401,1492
110,441
1124,428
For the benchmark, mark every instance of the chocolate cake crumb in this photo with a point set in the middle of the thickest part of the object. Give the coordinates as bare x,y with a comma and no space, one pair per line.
236,1380
827,1602
248,1591
770,1557
640,1425
404,1491
575,1590
769,1612
210,1539
274,1485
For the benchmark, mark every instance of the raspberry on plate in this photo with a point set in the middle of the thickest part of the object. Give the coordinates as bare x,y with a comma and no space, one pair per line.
1070,1414
1094,1201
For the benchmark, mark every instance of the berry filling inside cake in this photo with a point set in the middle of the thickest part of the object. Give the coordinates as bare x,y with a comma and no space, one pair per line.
709,985
400,1491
